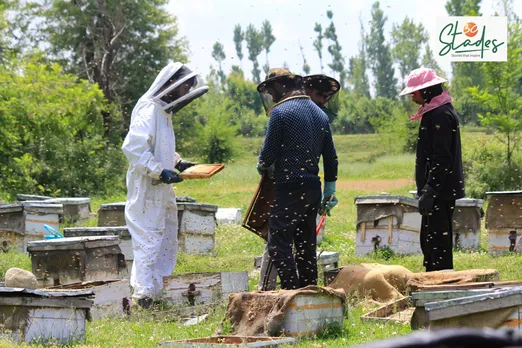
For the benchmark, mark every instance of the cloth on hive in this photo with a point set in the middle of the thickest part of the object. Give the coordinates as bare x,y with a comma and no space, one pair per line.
422,280
381,211
504,212
260,313
379,282
20,278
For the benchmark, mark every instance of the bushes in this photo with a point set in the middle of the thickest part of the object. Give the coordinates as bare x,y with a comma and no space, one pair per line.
486,168
52,131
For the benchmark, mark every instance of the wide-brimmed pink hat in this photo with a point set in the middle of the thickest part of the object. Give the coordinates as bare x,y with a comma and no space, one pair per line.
421,78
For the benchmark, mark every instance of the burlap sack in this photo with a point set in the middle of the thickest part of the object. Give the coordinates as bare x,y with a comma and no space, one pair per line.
261,313
419,281
20,278
381,283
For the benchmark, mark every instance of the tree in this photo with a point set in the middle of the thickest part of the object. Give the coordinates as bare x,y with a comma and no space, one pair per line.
120,45
357,69
465,74
429,62
239,36
218,53
501,97
334,49
407,39
306,67
380,56
255,42
268,40
318,43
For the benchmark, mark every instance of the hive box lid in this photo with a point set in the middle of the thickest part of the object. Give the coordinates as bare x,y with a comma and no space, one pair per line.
197,206
69,200
24,197
121,231
11,208
385,199
42,207
504,193
113,206
73,243
469,202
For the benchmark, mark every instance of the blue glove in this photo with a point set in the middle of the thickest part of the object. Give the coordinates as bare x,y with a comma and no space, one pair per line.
182,165
329,199
270,171
170,176
261,169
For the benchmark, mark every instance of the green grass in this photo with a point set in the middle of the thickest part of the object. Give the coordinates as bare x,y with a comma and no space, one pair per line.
362,158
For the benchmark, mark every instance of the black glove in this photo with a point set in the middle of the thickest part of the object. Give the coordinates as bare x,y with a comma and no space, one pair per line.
182,165
169,177
426,200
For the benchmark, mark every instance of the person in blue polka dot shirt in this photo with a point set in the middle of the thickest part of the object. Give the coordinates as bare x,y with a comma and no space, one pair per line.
298,134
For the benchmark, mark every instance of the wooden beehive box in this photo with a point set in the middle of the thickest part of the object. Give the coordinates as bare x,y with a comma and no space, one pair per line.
197,228
203,288
24,222
230,342
121,231
504,221
36,316
78,259
387,221
112,215
496,309
309,313
112,298
74,209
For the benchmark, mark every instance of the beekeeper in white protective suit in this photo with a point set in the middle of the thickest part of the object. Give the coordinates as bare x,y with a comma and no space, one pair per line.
150,147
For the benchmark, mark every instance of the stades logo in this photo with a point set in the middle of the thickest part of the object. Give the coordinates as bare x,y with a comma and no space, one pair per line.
472,39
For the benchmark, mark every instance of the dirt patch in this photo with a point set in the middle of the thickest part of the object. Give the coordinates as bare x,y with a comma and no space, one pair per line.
376,186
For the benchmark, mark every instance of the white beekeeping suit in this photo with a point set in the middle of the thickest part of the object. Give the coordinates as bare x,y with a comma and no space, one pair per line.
150,147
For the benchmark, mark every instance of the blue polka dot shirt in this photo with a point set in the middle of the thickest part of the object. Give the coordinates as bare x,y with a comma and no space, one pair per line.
298,134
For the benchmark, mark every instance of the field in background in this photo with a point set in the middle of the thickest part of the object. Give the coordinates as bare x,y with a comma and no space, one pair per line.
368,166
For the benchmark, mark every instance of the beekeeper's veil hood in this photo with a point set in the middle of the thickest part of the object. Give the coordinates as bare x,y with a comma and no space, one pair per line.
175,87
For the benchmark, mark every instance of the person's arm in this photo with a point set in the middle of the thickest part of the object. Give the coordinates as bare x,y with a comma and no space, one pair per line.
273,140
139,142
441,162
330,160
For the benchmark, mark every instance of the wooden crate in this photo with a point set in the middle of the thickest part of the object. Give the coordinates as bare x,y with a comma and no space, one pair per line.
203,288
309,313
399,311
34,316
387,221
78,259
121,231
230,341
111,297
197,228
504,221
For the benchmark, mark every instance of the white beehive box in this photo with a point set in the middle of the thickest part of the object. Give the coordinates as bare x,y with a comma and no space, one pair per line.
391,221
121,231
65,261
203,288
504,221
307,314
197,228
466,223
35,316
111,297
229,216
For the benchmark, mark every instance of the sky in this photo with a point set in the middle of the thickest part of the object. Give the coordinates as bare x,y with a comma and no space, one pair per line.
203,22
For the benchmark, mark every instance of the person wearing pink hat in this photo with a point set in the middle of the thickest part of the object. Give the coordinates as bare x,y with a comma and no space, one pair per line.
438,167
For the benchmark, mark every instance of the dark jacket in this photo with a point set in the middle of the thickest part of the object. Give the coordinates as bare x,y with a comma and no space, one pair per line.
298,134
439,158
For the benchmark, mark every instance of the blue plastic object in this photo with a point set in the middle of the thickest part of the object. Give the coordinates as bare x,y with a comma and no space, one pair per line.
53,233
